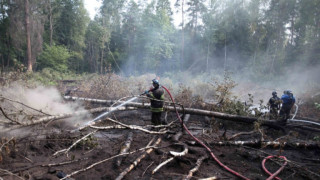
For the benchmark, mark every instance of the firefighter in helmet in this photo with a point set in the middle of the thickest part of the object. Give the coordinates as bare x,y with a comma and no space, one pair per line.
156,95
274,105
288,101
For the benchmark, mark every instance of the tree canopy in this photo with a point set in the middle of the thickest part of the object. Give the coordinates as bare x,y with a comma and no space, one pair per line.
256,37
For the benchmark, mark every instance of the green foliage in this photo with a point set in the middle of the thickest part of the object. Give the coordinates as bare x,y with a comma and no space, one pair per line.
88,143
48,76
54,57
317,105
259,38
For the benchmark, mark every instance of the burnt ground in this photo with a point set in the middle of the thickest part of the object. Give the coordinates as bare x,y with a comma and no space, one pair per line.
29,157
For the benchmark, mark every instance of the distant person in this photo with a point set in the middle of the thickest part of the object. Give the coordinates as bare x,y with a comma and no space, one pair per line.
288,101
156,95
274,105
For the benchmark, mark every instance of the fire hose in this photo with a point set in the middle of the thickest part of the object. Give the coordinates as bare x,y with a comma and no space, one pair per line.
278,171
303,121
200,142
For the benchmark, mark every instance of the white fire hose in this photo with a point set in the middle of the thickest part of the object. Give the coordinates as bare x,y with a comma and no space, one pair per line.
304,121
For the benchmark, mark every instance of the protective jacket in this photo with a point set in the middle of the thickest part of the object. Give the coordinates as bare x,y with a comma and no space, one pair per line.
157,97
288,100
274,102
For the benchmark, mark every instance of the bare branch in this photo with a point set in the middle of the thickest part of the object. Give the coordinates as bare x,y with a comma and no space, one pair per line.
110,158
196,168
174,154
68,149
63,163
5,115
10,173
125,148
5,144
136,162
134,127
25,105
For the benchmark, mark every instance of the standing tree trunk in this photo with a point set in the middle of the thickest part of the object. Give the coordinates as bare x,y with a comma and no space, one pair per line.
28,35
182,31
208,57
225,53
50,22
101,64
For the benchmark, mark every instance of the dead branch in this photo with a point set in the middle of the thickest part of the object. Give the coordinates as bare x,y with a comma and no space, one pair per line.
124,148
108,127
147,169
223,116
240,134
63,163
196,168
68,149
209,178
170,108
78,113
148,147
174,154
6,116
134,127
159,126
40,111
5,144
162,164
135,163
10,173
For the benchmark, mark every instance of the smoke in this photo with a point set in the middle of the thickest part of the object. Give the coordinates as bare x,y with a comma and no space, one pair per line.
44,99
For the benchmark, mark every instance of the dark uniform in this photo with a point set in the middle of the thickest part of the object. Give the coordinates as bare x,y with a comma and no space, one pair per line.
288,101
157,97
274,103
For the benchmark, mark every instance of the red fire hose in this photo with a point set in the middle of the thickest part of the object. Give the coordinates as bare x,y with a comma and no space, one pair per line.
278,171
200,142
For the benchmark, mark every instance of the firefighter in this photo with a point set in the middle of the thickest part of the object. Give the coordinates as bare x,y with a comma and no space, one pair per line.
274,105
156,95
288,101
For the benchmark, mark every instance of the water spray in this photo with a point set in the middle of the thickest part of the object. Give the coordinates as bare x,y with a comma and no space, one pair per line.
105,114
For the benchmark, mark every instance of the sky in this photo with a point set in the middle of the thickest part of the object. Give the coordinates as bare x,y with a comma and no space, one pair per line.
93,5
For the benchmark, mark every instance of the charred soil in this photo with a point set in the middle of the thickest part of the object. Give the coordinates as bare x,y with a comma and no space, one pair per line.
31,157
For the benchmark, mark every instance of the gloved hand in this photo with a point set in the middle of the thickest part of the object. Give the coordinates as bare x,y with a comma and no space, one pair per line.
146,92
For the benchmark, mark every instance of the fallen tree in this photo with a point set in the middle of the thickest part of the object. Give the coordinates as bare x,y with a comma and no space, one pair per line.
219,115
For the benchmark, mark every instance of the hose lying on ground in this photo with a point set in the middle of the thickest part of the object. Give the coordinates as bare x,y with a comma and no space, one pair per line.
200,142
278,171
303,121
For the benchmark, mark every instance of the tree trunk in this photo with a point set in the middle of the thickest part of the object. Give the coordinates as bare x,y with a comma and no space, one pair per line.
170,108
225,52
208,57
182,31
219,115
27,19
124,148
50,22
101,61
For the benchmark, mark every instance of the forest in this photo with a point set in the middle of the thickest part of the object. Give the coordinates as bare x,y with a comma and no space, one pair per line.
260,38
240,84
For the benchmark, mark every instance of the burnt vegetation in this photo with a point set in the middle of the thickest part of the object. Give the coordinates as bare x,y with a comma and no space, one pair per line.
106,150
